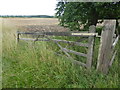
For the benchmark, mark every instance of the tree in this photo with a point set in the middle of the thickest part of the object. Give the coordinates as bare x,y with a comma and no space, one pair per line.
74,14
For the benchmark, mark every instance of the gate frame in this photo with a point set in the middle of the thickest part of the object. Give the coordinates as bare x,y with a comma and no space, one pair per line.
106,53
90,34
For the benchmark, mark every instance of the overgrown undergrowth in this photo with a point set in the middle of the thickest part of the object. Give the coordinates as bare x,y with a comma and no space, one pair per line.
29,65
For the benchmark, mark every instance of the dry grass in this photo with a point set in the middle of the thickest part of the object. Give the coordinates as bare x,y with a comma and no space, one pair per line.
35,24
0,53
32,21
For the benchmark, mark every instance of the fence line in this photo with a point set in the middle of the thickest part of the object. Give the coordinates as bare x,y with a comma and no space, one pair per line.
107,50
90,35
81,34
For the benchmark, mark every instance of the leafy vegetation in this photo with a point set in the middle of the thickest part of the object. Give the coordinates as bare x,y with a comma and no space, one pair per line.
74,14
28,65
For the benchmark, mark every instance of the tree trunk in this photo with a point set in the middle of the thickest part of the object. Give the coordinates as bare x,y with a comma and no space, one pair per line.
94,17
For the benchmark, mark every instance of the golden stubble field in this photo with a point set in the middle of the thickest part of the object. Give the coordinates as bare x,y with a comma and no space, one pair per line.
33,24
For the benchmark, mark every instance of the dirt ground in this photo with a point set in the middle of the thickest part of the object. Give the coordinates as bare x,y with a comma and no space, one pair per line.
34,24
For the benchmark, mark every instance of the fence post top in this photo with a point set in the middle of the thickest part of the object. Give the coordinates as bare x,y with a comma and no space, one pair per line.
92,28
109,22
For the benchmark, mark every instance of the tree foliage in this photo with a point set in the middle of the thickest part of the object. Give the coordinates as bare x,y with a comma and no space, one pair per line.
74,14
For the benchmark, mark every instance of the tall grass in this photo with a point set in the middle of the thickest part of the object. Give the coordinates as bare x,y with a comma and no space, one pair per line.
28,65
0,53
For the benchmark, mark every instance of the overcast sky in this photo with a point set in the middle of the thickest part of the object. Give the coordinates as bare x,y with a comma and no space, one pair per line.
27,7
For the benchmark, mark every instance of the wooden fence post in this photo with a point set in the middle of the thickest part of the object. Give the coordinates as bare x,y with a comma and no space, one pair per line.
18,36
105,50
90,47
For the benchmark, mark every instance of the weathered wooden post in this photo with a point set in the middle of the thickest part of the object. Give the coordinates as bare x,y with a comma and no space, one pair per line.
105,50
18,36
90,47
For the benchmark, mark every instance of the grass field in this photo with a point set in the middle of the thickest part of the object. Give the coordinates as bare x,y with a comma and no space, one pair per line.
28,65
0,53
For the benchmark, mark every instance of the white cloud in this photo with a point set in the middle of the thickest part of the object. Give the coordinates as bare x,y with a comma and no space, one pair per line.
27,7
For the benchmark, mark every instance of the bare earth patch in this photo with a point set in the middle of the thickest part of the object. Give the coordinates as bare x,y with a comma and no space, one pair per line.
35,24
